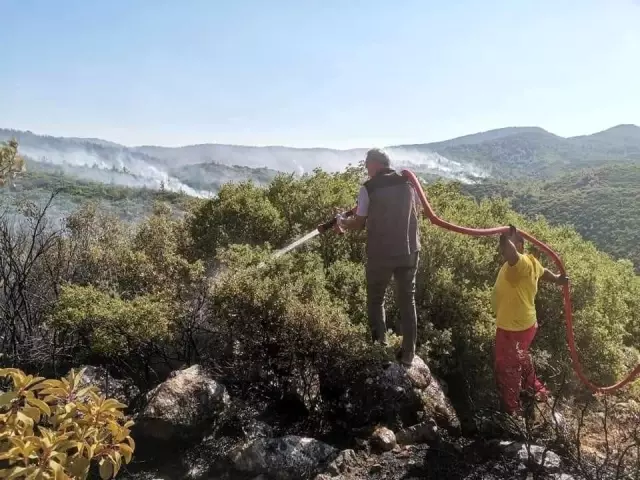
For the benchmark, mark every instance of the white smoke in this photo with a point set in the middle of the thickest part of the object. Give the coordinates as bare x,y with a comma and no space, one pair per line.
434,163
205,168
121,169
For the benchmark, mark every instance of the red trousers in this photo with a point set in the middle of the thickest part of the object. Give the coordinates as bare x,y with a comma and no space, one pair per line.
514,367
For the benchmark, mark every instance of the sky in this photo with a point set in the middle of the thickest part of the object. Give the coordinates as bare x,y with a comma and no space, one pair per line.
331,73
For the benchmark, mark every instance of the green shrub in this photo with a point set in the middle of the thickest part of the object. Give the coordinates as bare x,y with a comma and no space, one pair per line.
112,326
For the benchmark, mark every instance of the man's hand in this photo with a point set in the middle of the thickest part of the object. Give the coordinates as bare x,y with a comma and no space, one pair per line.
556,278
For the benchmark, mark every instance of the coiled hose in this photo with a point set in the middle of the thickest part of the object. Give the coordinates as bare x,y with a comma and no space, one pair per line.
483,232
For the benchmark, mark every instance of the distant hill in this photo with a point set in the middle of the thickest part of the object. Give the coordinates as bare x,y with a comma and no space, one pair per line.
603,204
506,153
532,152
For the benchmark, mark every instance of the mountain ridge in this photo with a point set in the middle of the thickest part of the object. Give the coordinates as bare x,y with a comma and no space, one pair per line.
504,153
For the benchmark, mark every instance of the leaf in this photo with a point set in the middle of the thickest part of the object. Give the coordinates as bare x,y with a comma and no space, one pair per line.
21,472
131,442
85,390
112,403
26,420
33,413
54,391
79,466
106,469
58,471
41,405
6,398
127,452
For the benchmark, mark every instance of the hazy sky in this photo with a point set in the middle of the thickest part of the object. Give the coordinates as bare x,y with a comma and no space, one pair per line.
336,73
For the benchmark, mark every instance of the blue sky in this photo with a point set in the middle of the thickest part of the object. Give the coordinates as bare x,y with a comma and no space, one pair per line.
336,73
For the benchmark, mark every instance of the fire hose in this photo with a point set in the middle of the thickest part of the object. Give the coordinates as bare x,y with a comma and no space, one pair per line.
484,232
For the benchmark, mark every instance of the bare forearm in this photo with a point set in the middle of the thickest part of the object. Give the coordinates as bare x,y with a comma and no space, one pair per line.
549,276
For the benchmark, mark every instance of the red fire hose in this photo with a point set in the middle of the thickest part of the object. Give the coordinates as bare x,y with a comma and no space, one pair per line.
482,232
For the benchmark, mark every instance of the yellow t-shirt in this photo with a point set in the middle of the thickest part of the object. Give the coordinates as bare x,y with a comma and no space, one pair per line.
514,293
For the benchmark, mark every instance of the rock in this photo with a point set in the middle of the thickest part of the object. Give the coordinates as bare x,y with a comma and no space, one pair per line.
122,390
414,395
383,439
343,461
424,432
185,403
519,450
284,458
377,468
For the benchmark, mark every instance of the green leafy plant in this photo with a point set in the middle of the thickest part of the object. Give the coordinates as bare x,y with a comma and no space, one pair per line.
55,429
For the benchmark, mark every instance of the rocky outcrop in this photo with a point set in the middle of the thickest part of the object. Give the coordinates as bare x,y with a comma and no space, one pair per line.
182,405
284,458
411,396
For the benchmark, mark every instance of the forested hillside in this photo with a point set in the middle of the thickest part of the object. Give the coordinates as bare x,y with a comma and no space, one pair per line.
603,204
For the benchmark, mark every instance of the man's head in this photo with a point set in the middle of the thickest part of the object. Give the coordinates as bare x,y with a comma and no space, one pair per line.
516,239
375,161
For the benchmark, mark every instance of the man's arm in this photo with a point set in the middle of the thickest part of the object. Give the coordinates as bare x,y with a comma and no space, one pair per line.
556,278
359,219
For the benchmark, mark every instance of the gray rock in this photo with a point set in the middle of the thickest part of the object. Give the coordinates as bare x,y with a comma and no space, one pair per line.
285,458
383,439
182,405
343,461
424,432
414,395
519,450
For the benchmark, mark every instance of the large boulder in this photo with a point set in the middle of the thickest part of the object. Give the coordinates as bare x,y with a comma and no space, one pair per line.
284,458
412,395
185,404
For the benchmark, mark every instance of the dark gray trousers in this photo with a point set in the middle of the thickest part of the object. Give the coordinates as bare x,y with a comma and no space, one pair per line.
379,272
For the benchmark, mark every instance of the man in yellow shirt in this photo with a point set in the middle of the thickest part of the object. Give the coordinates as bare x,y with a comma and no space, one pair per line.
516,321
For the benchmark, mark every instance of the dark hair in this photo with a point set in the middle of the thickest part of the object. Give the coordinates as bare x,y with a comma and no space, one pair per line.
378,156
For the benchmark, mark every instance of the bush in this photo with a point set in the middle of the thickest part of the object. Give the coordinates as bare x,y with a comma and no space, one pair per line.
290,335
56,429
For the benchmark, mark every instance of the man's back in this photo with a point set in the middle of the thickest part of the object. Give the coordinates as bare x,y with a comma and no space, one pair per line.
392,223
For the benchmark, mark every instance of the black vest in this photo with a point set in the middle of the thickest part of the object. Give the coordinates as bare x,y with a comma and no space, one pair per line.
392,221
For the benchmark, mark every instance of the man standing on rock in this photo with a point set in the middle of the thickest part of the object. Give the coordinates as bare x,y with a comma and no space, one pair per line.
516,321
387,206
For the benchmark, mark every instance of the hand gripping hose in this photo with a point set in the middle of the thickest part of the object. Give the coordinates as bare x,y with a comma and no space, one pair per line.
483,232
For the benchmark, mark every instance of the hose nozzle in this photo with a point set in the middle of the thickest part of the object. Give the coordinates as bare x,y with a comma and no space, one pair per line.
329,224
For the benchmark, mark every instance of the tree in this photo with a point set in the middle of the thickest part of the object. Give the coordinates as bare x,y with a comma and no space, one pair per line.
10,162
